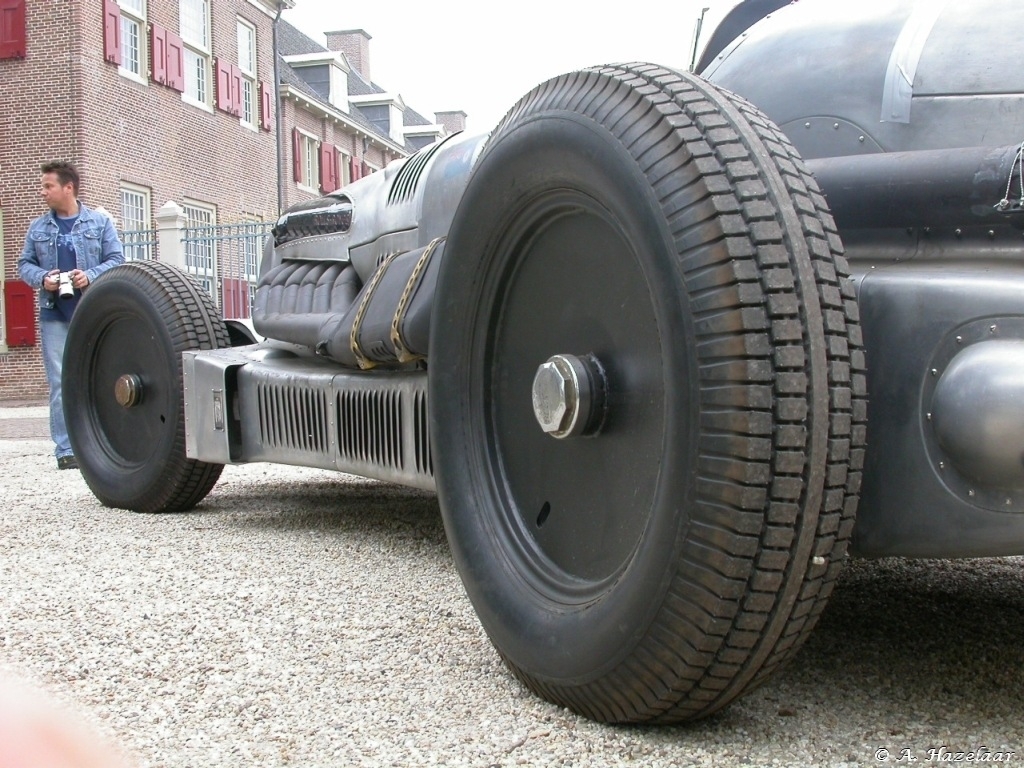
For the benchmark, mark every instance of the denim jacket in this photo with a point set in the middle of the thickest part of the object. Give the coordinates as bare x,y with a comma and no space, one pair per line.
97,248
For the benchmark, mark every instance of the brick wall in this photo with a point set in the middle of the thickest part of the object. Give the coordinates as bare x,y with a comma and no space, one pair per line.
38,97
69,103
65,101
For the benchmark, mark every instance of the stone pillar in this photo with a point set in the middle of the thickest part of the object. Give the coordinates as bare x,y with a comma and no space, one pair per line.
170,225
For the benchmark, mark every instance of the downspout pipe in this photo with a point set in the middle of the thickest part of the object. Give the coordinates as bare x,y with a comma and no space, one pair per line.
278,121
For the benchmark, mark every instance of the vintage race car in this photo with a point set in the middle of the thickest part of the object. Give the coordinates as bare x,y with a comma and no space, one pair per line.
630,337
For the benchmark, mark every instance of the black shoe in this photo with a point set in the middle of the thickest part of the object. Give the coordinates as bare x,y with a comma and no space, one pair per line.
67,462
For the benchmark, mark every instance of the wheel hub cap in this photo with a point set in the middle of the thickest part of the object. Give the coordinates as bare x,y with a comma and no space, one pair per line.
568,396
128,390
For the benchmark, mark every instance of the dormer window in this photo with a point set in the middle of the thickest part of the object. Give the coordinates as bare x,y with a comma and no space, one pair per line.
326,74
385,111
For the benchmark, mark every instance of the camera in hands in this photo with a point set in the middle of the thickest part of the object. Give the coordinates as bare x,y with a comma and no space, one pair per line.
65,290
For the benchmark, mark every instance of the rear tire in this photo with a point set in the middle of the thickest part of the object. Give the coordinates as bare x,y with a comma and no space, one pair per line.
658,569
132,326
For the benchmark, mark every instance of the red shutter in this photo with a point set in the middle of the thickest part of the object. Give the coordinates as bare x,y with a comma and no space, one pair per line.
12,29
227,298
175,67
222,84
328,181
353,169
235,298
20,307
112,31
158,53
236,90
265,97
365,170
296,154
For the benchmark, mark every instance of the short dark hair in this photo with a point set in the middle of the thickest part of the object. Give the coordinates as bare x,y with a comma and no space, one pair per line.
65,171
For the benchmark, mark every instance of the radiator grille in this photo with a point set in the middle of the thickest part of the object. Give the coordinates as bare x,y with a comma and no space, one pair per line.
370,427
293,418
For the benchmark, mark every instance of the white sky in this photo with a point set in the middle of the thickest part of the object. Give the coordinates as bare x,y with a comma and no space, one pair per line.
480,57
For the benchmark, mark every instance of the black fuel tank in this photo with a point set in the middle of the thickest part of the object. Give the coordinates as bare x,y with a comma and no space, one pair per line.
845,78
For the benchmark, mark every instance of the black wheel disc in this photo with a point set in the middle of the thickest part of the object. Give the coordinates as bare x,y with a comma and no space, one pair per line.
128,435
575,530
123,398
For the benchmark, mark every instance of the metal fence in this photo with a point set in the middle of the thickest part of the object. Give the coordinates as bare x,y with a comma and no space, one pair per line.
139,244
224,258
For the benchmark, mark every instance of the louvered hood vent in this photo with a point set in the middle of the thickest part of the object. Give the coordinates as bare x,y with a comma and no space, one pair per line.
403,188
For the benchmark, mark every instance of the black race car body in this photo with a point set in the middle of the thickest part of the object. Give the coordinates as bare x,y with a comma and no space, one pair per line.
667,346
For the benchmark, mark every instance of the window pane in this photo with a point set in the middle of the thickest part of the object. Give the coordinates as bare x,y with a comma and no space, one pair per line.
246,48
194,16
135,233
248,101
130,45
133,210
195,76
251,247
201,246
309,175
139,6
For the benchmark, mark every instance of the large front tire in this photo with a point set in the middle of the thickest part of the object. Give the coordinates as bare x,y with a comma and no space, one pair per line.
665,238
123,387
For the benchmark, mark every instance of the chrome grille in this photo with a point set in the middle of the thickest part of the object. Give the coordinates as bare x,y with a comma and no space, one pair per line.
424,459
293,418
370,427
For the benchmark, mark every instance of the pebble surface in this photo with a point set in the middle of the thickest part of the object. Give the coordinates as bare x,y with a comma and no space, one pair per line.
304,618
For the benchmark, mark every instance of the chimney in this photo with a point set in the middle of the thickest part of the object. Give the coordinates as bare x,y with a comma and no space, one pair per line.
453,122
355,44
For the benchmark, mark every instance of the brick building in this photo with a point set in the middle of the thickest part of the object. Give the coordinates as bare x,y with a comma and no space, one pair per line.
169,110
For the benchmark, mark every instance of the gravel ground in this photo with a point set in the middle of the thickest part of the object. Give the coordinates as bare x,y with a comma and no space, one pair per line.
305,618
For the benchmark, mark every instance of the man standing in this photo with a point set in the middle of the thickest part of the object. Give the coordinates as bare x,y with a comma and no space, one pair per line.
65,249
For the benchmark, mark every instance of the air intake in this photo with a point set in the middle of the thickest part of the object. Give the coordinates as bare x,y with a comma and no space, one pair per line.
292,418
370,427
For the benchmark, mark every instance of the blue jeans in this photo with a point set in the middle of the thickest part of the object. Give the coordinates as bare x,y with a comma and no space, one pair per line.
53,334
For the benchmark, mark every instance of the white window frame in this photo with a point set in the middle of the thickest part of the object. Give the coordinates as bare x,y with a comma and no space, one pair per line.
310,163
201,258
249,108
135,217
134,60
345,161
252,255
197,53
252,251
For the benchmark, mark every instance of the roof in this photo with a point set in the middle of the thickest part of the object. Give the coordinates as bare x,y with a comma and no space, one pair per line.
292,42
